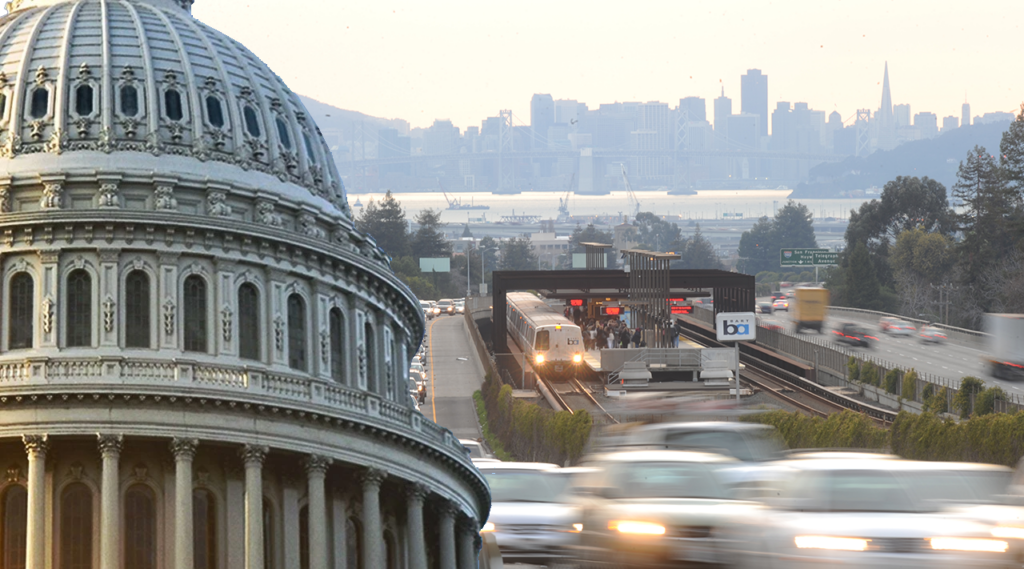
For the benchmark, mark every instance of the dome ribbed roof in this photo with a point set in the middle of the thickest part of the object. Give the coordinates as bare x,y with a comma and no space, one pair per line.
146,84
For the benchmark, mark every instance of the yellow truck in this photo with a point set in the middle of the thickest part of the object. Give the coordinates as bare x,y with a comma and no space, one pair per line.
810,309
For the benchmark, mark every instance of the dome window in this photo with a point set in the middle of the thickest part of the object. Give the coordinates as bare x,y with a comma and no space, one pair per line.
84,100
129,101
252,124
309,148
79,305
40,103
282,133
297,333
20,315
3,105
214,112
172,105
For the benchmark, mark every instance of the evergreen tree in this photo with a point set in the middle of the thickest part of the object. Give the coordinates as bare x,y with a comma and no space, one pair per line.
861,288
466,232
793,227
654,233
385,221
1011,149
697,252
429,240
987,206
517,255
757,250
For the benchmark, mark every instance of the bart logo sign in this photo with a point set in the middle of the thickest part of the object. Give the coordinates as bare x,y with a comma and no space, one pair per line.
736,326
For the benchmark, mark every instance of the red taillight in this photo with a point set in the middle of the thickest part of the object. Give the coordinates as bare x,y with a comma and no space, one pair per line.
872,337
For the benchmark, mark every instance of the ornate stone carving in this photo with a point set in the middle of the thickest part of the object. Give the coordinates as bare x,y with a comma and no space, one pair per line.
362,361
46,314
164,198
53,196
202,477
130,125
307,225
109,196
184,449
108,314
226,320
279,334
106,140
82,126
13,473
169,317
266,215
76,470
325,346
316,464
36,129
372,477
216,204
140,472
35,445
416,492
253,455
110,445
57,143
5,199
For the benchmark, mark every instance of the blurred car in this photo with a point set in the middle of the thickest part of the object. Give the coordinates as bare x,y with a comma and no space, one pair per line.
446,306
781,304
777,294
532,517
763,308
770,325
656,508
428,311
418,388
850,511
885,321
416,368
790,293
433,307
460,305
853,334
475,448
933,335
901,328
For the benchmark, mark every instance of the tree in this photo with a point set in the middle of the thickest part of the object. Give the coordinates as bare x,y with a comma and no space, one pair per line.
920,260
385,221
987,204
1011,149
429,240
466,232
517,255
590,234
757,249
861,288
970,387
654,233
905,203
696,252
793,227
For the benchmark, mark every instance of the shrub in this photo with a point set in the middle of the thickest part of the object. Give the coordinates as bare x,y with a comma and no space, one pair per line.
852,369
847,429
969,386
935,399
869,373
892,381
909,388
489,437
985,402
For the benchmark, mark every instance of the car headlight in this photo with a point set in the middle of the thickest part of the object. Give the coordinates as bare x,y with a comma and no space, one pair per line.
577,528
489,526
637,528
827,542
1008,532
577,358
969,544
539,359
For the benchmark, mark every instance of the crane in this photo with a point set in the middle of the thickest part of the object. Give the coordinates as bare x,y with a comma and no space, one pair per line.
452,202
563,203
634,202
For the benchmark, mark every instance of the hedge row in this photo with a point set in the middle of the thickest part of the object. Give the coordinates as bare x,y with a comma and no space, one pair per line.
492,441
995,438
531,433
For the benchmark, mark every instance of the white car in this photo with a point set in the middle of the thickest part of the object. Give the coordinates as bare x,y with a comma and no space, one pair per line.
933,335
428,311
900,328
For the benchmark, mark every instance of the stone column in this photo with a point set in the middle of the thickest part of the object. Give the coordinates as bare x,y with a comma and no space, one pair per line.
110,508
253,457
316,471
468,530
35,551
184,451
446,523
373,530
415,496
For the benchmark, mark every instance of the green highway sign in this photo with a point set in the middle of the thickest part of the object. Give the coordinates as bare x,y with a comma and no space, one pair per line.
807,257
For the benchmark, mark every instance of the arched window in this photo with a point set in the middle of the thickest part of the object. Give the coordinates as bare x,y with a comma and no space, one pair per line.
15,527
282,133
390,550
3,105
40,103
249,321
309,148
370,351
268,535
22,302
214,111
195,314
79,309
129,101
139,529
296,332
353,543
337,325
172,105
136,310
304,537
76,527
83,100
252,123
204,530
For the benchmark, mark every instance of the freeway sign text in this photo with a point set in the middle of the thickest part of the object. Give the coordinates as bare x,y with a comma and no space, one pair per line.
808,258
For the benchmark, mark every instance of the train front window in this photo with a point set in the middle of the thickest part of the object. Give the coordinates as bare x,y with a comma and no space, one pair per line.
543,341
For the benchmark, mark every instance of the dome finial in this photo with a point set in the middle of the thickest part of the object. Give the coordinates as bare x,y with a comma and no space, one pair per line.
186,4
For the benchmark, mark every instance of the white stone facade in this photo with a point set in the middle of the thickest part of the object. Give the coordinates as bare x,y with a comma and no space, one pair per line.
202,362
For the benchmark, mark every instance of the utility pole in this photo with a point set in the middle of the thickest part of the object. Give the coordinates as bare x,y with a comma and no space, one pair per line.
469,291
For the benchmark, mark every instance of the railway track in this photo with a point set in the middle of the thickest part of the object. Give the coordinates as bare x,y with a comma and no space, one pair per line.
578,390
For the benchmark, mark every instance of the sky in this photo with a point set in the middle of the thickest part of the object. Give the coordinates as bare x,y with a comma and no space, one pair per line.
466,60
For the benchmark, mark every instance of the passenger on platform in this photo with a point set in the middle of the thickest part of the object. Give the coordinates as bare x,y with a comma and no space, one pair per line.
637,338
624,337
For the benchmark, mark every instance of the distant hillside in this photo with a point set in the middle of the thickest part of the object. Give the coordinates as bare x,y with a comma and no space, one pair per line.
938,158
340,126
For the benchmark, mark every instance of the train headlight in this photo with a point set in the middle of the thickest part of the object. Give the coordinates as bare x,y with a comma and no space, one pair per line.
539,359
577,358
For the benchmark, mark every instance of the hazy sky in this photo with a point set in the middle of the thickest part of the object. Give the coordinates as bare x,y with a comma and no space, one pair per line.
464,60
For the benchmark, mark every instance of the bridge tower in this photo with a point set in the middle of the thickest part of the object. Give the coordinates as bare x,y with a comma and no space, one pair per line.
863,132
506,162
681,170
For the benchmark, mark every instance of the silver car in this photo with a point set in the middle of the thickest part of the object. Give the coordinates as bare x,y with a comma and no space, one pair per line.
531,517
874,513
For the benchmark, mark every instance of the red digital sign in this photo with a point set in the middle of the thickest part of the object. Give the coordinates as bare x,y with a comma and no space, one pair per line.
682,310
576,302
611,310
677,300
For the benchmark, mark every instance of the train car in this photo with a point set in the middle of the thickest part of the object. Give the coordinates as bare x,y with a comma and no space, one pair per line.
552,342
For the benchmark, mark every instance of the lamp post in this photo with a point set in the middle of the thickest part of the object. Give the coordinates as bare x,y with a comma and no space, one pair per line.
483,270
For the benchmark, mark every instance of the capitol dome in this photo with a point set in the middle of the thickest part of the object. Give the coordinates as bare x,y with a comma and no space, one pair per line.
202,361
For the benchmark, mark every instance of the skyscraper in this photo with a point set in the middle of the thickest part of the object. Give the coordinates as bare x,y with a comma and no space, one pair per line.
884,119
542,116
695,107
723,109
965,114
754,96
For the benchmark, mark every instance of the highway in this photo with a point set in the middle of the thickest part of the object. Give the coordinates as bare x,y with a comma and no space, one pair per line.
950,359
455,372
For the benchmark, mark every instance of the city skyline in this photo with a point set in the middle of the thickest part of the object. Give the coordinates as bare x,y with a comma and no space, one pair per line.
463,61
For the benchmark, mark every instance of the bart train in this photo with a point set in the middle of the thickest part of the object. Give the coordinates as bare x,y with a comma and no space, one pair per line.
552,342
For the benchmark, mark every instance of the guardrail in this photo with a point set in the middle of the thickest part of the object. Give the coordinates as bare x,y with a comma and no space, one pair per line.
873,316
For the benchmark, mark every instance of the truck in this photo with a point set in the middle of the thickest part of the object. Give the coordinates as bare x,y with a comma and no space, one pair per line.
1005,345
809,309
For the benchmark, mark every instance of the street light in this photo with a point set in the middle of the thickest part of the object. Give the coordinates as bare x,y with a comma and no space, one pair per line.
483,270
